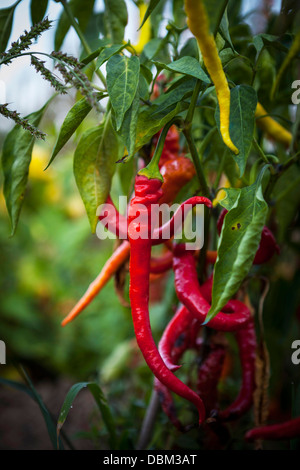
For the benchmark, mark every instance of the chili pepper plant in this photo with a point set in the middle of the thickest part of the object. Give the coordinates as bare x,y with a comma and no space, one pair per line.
192,105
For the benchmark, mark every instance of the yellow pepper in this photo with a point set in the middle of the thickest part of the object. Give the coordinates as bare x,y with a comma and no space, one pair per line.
271,127
145,32
198,24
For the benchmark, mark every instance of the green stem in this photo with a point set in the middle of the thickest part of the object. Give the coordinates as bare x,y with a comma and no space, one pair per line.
220,170
263,156
198,165
192,106
152,169
83,41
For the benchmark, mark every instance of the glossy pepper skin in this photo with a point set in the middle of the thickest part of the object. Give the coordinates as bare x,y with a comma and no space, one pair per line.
286,430
209,373
267,245
176,173
198,23
148,192
246,340
189,293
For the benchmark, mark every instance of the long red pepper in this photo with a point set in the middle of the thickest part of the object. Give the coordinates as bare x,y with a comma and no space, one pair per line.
147,193
246,340
176,336
209,374
286,430
189,293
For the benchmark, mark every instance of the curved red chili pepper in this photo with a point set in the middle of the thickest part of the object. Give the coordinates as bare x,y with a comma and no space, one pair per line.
286,430
209,374
267,245
189,293
176,337
148,192
246,340
162,263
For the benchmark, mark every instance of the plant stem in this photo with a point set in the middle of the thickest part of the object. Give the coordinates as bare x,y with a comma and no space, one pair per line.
148,422
198,165
192,106
83,41
263,155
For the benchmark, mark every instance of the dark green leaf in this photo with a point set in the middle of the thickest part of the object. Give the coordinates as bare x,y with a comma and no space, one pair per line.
122,82
129,124
190,48
239,240
38,9
187,66
152,118
152,5
82,11
101,403
243,102
116,19
215,10
94,165
16,158
6,19
71,122
224,29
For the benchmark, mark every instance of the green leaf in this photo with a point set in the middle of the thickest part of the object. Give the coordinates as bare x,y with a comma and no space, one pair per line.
38,9
116,19
71,122
6,19
32,392
99,399
152,118
82,11
243,102
239,240
187,66
107,52
94,165
16,158
128,128
224,29
215,10
152,5
122,82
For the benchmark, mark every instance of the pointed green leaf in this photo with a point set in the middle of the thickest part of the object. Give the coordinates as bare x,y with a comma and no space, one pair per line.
152,4
122,82
101,403
16,158
243,102
187,66
108,52
116,19
38,9
215,10
128,128
151,119
82,11
94,165
6,19
71,122
239,240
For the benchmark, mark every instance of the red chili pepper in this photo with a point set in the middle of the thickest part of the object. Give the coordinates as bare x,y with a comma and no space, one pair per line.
267,245
147,193
178,336
246,339
189,293
176,173
209,374
286,430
